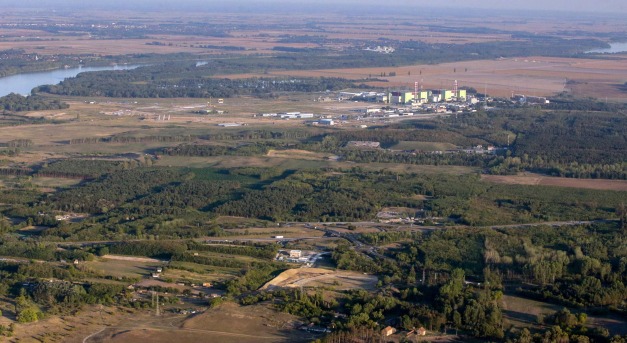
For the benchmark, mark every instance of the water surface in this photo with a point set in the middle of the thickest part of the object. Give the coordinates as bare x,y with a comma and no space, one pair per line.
24,83
614,48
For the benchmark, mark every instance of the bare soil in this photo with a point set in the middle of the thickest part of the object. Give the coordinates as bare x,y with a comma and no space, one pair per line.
309,277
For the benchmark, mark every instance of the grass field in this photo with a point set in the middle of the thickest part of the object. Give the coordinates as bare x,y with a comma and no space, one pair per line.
423,146
122,268
52,184
200,277
42,184
522,312
210,273
541,180
300,155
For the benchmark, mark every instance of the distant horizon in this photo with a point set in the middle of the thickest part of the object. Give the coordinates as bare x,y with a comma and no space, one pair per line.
535,7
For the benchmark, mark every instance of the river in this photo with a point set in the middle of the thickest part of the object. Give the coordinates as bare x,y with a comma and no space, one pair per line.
24,83
614,48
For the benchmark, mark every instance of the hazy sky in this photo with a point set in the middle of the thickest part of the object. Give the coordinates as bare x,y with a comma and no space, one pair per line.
609,6
589,6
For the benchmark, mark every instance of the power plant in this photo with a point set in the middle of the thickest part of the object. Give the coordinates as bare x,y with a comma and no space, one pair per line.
420,96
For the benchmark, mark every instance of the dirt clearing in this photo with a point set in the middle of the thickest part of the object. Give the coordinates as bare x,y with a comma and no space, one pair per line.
314,277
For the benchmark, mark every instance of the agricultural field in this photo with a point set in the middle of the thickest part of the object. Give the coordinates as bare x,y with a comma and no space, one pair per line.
263,39
534,75
423,146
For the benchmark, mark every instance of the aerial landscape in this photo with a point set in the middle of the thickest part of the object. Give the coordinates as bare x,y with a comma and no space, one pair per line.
300,171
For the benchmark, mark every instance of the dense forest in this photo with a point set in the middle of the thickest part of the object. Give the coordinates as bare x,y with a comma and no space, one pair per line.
132,200
174,80
17,103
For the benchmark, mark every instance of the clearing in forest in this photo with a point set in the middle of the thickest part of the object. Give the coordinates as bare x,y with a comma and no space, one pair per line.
541,180
313,277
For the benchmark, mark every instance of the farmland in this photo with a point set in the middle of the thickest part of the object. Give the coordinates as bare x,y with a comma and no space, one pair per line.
537,75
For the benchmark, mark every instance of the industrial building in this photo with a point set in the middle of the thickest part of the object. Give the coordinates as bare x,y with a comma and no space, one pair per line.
421,97
425,96
404,97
